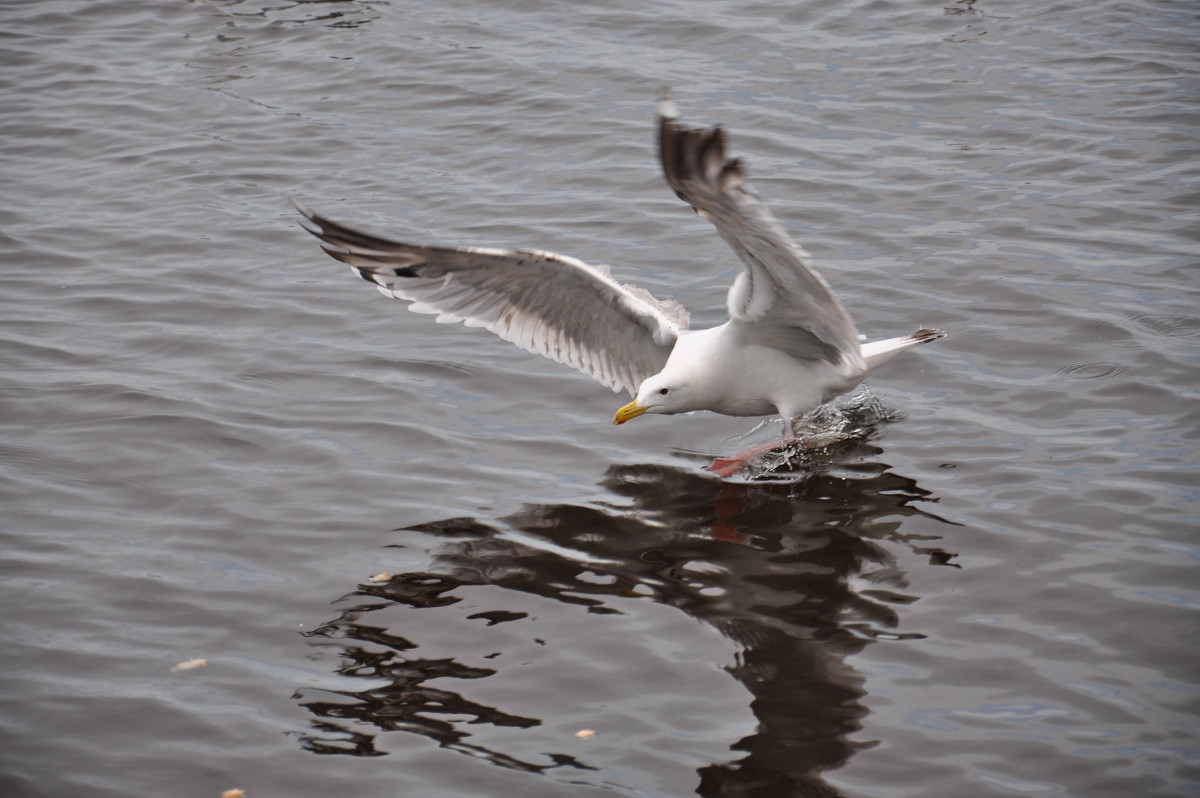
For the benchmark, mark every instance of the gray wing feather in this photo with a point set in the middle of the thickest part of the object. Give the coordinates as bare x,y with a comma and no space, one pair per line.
781,301
544,303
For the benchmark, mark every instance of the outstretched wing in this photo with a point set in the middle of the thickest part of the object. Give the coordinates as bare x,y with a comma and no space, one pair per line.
779,299
544,303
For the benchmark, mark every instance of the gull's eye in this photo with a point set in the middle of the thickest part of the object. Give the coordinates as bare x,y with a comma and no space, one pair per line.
664,391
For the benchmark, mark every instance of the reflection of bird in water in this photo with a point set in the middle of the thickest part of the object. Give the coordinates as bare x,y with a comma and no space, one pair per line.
811,579
788,347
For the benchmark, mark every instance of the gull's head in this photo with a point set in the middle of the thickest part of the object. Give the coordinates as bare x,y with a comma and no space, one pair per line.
657,394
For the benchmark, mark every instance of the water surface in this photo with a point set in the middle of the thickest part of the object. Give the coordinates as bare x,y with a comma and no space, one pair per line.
419,561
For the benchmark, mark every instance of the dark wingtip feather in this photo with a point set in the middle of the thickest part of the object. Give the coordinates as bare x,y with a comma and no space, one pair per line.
694,156
732,173
336,236
927,335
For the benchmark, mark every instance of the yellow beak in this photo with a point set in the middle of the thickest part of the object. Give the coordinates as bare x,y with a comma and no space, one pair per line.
631,410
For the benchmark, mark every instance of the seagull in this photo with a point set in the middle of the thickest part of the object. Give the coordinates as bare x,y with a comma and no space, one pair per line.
788,347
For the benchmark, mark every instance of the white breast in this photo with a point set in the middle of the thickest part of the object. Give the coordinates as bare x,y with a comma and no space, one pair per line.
728,377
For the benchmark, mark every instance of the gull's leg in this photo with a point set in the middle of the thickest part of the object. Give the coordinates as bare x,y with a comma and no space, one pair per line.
790,439
728,466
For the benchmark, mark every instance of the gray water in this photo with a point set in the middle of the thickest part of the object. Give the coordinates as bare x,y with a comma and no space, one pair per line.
214,436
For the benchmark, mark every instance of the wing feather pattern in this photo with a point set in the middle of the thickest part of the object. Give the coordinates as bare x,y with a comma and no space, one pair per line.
779,299
548,304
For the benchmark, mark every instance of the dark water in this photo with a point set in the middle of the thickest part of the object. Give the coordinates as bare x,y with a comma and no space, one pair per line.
213,436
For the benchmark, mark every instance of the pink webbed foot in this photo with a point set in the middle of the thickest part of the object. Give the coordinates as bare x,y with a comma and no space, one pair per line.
728,466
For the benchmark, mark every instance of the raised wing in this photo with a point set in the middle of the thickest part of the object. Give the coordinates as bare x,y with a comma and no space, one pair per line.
780,299
544,303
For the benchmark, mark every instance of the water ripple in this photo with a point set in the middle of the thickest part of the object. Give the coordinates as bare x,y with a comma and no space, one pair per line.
1098,370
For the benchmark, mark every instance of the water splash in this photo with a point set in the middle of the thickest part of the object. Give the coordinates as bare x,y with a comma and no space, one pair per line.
829,434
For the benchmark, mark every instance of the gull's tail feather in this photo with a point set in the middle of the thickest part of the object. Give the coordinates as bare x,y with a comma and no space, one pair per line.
877,353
